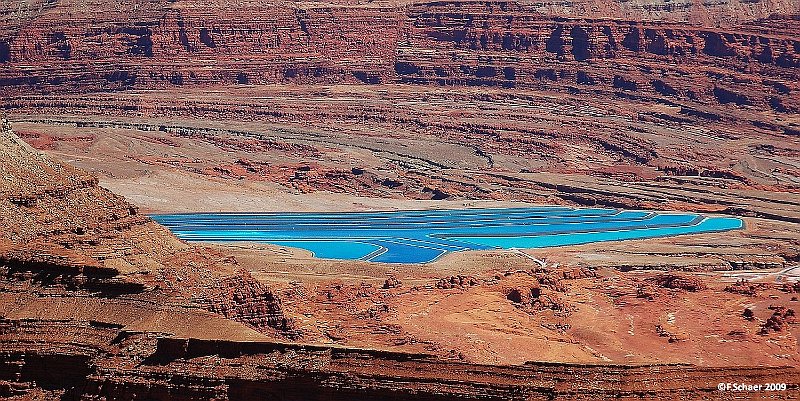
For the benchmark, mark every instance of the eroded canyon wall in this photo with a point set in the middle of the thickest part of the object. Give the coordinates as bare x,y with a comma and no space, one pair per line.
504,44
97,45
735,52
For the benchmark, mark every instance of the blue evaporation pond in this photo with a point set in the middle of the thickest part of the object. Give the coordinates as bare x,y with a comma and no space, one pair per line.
421,236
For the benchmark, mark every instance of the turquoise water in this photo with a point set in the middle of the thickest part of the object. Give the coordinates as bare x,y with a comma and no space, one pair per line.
333,249
420,236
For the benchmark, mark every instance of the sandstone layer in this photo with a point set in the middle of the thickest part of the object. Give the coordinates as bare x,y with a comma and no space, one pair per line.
743,53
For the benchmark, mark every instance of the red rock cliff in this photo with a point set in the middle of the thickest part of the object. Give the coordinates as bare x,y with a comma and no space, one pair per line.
732,52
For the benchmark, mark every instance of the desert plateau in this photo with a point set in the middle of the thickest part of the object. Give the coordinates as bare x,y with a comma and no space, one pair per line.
399,200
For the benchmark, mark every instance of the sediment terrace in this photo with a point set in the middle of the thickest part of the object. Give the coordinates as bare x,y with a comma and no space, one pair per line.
102,360
379,142
399,375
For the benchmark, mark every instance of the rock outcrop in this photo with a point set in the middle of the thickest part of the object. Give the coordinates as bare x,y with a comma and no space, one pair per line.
745,287
57,218
62,230
781,318
678,282
457,282
244,299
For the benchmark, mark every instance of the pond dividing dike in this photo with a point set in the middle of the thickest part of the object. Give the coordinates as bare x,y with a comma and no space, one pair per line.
421,236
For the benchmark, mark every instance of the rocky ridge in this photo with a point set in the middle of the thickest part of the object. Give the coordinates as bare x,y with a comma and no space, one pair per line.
62,230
